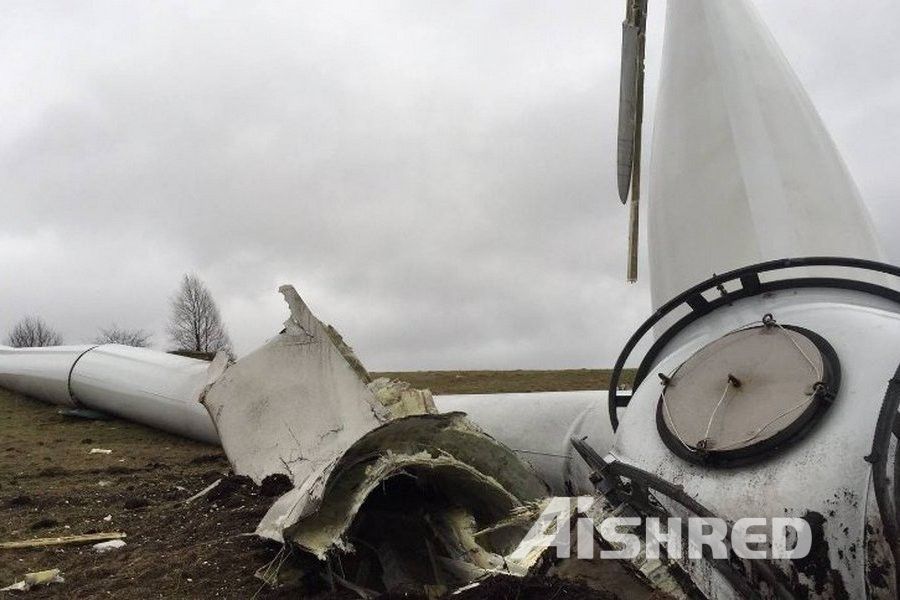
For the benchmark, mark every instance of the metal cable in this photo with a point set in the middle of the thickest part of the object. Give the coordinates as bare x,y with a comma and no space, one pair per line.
805,402
815,368
712,417
672,422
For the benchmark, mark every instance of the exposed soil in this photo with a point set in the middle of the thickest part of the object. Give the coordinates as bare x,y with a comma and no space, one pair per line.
532,588
50,485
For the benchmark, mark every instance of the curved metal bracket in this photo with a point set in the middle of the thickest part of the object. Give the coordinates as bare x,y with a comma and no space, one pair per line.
750,285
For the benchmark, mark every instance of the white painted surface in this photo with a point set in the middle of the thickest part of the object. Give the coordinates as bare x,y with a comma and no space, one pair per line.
539,426
742,169
42,373
154,388
826,471
294,405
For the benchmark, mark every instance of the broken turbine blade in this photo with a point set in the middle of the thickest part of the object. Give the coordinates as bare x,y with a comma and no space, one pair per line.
378,478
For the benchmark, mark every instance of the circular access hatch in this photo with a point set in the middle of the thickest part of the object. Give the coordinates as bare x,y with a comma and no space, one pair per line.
747,394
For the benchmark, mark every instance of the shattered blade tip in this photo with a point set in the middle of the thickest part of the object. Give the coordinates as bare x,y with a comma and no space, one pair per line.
295,303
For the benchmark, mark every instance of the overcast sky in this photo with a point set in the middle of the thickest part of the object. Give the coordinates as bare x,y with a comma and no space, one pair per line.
436,178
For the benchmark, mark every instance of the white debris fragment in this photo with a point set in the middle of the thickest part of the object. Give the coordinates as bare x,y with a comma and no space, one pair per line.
18,586
110,545
100,451
35,579
294,405
204,491
401,398
107,518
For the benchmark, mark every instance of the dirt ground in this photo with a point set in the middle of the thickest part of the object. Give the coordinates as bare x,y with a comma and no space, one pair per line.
52,485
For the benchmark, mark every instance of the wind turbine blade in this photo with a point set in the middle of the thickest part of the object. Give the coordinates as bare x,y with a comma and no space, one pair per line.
743,170
628,95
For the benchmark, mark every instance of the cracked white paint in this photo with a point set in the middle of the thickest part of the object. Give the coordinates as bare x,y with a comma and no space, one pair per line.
294,405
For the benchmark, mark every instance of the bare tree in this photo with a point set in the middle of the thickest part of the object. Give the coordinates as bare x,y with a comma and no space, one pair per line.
195,324
128,337
33,332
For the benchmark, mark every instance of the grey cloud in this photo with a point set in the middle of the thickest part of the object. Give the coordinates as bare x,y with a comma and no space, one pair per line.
436,178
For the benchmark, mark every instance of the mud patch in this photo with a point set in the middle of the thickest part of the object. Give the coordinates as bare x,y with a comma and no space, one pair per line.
817,564
18,501
231,490
136,503
53,472
45,523
275,485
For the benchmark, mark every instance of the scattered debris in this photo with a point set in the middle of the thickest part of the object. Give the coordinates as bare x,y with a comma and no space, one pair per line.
66,540
231,491
283,572
213,532
100,451
204,491
35,579
110,545
401,399
466,588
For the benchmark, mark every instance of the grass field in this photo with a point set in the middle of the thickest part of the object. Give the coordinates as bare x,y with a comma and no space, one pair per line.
496,382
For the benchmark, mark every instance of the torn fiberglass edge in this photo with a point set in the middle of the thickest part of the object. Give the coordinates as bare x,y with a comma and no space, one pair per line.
293,406
410,496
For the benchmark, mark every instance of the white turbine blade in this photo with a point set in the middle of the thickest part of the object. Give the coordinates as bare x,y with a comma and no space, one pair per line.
742,168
